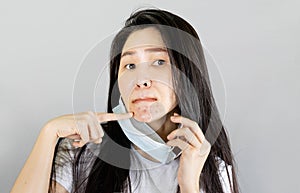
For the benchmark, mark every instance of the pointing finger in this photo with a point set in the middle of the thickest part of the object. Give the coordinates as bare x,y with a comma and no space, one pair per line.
104,117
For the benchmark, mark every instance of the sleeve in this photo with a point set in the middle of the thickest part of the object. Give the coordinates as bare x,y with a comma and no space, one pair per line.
224,179
63,164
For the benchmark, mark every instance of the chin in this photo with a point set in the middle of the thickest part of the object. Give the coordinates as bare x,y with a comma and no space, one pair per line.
148,111
142,117
156,120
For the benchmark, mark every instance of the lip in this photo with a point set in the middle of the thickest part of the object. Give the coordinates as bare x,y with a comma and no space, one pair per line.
146,99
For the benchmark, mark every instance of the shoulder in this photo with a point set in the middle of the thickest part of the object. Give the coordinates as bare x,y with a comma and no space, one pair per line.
63,163
65,148
225,174
65,143
222,164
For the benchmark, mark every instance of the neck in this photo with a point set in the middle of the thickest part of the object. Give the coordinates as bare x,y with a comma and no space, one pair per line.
164,126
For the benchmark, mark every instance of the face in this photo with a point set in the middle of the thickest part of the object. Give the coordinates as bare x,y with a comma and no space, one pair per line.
145,77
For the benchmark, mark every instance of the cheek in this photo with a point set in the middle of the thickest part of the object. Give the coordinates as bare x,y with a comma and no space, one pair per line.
167,94
171,99
174,101
126,85
142,112
145,112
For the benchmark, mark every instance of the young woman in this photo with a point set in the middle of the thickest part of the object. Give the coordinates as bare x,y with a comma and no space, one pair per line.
159,98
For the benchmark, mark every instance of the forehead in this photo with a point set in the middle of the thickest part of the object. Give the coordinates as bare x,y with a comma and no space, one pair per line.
144,37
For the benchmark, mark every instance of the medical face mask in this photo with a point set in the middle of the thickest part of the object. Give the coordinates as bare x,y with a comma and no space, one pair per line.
143,136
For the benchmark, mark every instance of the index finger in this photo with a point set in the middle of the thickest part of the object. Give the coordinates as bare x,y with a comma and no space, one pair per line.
104,117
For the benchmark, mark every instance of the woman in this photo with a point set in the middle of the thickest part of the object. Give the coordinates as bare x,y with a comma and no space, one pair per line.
158,76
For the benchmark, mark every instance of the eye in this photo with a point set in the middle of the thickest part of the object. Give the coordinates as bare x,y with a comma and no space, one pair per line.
130,66
159,62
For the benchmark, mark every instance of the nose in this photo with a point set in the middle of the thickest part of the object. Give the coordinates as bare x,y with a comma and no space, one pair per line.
144,84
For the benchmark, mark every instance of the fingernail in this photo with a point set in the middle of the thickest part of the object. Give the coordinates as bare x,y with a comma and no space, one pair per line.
131,114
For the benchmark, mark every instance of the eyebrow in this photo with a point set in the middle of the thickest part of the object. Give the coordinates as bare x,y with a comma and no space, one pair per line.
129,53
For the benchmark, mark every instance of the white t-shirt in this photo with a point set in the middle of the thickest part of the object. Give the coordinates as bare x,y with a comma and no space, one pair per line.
156,178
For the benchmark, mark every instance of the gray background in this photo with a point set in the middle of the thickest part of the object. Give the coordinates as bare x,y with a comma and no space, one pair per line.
254,42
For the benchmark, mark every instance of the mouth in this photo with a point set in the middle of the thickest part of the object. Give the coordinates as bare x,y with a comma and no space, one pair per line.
146,99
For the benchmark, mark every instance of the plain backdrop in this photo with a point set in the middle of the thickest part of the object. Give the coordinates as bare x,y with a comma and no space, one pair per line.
255,44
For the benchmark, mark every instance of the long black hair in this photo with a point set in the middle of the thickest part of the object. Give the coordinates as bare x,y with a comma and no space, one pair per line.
108,172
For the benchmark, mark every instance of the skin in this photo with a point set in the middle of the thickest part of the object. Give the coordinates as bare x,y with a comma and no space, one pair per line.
159,114
145,74
84,127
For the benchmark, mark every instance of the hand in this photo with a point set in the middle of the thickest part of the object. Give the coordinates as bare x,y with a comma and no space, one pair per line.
83,127
195,149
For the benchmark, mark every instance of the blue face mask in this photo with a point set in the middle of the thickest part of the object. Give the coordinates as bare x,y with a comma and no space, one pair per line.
143,136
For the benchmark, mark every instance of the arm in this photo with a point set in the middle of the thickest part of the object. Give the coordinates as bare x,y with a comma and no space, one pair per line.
84,127
35,175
